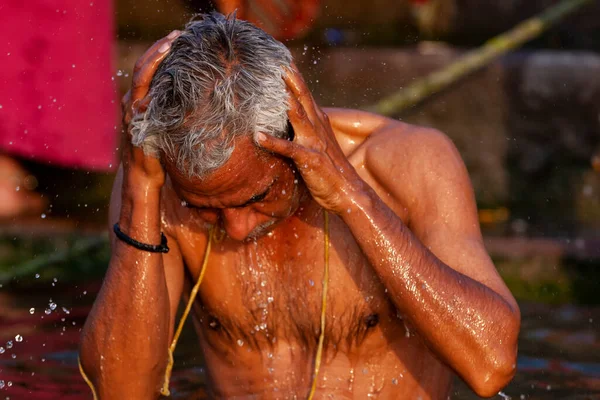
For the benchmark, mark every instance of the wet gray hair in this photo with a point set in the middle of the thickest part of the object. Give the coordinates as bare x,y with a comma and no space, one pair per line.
223,78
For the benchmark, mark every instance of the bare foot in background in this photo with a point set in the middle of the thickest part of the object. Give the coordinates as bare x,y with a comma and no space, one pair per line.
17,195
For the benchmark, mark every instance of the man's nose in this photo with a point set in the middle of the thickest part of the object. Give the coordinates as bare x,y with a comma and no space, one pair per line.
238,222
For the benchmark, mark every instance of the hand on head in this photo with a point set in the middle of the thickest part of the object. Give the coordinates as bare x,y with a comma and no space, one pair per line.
314,150
145,170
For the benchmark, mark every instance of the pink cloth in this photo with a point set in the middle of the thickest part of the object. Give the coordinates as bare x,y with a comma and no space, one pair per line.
57,95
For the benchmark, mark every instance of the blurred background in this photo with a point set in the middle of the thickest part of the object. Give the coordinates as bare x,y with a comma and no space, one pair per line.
527,125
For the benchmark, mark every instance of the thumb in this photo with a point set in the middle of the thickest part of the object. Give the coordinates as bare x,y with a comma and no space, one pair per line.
280,146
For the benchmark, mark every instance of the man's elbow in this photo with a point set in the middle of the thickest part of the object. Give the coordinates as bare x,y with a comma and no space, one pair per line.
489,382
499,365
110,377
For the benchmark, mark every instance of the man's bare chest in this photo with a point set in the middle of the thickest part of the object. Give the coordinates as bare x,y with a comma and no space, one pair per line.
268,290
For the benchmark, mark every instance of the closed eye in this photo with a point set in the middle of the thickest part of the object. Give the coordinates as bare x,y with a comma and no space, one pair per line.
258,197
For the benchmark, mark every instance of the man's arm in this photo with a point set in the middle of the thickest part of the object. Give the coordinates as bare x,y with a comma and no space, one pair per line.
437,273
126,336
125,340
438,276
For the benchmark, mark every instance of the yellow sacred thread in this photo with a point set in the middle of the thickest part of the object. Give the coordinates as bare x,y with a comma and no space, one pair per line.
87,380
319,354
165,389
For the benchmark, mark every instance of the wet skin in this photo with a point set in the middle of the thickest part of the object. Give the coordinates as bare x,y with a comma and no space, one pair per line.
413,295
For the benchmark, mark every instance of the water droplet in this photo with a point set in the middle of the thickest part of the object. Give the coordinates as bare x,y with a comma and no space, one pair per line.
19,338
283,192
47,311
263,326
270,300
66,311
31,310
2,350
119,73
311,282
13,356
52,306
2,384
9,344
394,381
240,342
263,283
73,66
43,216
9,384
37,276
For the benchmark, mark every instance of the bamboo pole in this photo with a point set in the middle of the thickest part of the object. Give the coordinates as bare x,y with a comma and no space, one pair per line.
476,59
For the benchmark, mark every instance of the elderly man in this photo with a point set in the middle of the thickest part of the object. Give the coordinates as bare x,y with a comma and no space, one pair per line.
374,216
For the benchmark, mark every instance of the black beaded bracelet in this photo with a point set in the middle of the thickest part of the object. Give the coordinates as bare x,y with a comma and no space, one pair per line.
161,248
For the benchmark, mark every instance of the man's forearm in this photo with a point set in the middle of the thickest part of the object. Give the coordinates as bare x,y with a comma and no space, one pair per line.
464,322
125,339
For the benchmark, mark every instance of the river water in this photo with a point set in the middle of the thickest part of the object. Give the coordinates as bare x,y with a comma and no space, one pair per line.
559,355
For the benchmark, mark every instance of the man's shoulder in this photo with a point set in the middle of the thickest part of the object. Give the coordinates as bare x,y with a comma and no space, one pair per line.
415,149
411,161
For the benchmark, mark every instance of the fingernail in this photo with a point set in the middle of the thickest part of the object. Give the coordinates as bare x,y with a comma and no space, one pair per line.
260,136
164,47
173,34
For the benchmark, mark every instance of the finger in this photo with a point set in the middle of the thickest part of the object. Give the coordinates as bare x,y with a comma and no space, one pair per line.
279,146
126,107
297,114
152,49
147,65
297,86
140,107
304,130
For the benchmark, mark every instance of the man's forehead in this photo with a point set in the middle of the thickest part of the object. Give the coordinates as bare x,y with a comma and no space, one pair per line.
247,168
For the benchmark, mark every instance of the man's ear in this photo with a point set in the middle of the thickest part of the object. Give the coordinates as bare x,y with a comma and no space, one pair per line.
290,134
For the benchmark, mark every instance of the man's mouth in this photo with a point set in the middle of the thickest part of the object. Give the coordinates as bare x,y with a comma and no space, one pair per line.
262,229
